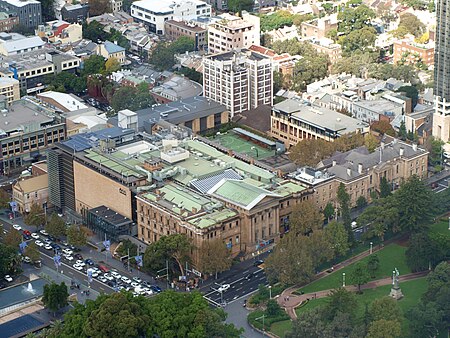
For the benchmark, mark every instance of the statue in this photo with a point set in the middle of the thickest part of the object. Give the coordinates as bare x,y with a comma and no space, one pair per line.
396,292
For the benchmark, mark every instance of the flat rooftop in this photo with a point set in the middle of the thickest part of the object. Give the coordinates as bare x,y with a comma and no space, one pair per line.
110,216
163,6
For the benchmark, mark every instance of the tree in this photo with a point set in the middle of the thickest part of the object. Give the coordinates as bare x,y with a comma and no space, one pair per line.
412,24
55,226
385,308
132,98
310,152
434,146
383,127
112,65
94,31
98,7
355,19
76,236
66,83
385,188
32,252
4,199
340,300
328,211
9,259
338,238
13,238
55,296
358,40
312,67
176,247
361,202
305,218
402,133
35,217
359,275
425,320
276,20
240,5
414,203
48,9
412,93
273,309
371,142
214,257
373,264
95,64
162,56
421,252
437,279
277,81
344,204
384,328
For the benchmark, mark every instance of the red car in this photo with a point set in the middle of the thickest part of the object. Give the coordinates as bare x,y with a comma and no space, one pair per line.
103,268
27,232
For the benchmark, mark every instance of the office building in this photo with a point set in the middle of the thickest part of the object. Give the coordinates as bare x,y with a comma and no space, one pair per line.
28,11
10,89
240,80
175,29
233,32
154,13
75,13
14,43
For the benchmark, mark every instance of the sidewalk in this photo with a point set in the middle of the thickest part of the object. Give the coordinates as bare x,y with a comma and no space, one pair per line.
290,301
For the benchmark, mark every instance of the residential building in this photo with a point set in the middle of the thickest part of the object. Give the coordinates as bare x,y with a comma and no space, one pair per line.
376,110
110,19
108,50
175,29
14,43
30,68
328,47
196,113
176,88
409,52
62,102
241,80
292,121
284,33
10,89
115,5
154,13
29,191
233,32
59,31
361,171
27,129
28,11
8,21
318,28
75,13
283,63
221,5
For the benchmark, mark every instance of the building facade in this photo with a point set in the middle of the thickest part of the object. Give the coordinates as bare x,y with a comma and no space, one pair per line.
411,53
175,29
10,88
8,21
14,43
28,11
155,13
233,32
112,50
240,80
29,191
60,32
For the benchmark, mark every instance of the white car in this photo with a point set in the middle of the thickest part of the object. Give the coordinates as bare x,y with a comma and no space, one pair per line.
115,274
125,279
223,287
95,274
39,243
108,276
8,278
137,279
35,235
134,284
77,267
80,262
17,227
48,247
43,232
69,258
102,279
67,251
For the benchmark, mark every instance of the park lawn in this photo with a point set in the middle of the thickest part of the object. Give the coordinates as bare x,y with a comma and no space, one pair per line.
281,328
392,256
441,228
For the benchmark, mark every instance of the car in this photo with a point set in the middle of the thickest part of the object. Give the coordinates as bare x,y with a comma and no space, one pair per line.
108,276
8,278
134,284
95,274
137,279
118,277
102,279
17,227
111,283
115,274
67,251
47,241
64,243
35,235
39,243
48,247
250,275
144,282
52,238
55,247
155,288
103,268
26,237
78,256
27,232
89,262
223,287
43,232
69,258
27,259
125,279
258,262
77,267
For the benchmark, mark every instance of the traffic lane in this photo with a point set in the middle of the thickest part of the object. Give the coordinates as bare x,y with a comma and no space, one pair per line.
75,274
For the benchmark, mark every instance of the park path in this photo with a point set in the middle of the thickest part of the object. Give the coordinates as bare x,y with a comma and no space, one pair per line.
290,301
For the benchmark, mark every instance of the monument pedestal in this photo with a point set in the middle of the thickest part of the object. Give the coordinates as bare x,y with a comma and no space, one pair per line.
396,293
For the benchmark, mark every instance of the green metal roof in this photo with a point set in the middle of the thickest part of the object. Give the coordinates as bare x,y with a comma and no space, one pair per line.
288,188
214,218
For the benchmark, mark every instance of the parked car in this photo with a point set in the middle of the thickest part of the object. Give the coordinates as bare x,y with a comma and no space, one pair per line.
35,235
27,232
8,278
17,227
155,288
43,232
77,267
258,262
102,279
26,237
27,259
125,279
39,243
68,251
103,268
52,238
48,247
78,256
137,279
89,262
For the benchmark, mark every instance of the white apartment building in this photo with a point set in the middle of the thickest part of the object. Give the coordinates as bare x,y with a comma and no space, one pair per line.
240,80
233,32
153,13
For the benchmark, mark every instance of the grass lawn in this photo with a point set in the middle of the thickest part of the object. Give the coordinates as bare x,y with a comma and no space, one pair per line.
441,227
281,328
412,291
392,256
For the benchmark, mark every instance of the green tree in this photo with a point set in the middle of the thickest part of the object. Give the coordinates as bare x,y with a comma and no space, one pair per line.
361,202
355,19
132,98
94,31
9,259
95,64
176,247
55,296
338,238
55,226
384,328
117,37
328,211
215,257
273,309
421,252
437,279
412,24
32,252
240,5
344,204
305,218
385,308
4,199
359,275
76,236
412,93
277,81
162,56
310,152
425,320
371,142
312,67
13,238
48,9
358,40
35,217
434,146
402,133
385,187
276,20
112,65
373,264
340,300
126,247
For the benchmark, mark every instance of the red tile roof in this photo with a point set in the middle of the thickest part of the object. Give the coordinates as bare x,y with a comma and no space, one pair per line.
61,28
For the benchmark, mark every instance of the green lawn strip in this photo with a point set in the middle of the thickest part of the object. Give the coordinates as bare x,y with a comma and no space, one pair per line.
255,319
392,256
281,328
412,291
441,227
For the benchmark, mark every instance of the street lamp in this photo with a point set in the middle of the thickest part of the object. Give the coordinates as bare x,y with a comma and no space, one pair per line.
371,247
256,149
270,291
343,279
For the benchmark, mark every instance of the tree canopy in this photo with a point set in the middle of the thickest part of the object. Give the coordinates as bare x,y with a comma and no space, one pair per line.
55,296
163,56
56,226
133,98
214,257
